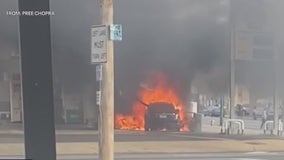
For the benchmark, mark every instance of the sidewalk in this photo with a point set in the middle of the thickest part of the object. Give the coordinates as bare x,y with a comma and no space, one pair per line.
159,147
217,129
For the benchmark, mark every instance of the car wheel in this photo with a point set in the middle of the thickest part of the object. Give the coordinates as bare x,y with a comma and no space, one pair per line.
147,128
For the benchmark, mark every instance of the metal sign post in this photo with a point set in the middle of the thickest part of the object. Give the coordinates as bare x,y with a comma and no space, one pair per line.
99,43
99,78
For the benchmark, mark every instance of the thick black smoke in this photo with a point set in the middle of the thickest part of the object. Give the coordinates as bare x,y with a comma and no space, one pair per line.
71,41
178,38
170,37
188,40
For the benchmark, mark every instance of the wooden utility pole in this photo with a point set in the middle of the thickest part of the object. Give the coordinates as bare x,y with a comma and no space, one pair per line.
106,126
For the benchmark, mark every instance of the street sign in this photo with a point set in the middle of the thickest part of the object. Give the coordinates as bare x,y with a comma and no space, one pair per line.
99,44
116,32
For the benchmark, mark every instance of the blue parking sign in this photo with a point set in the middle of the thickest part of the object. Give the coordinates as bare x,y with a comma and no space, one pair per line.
116,32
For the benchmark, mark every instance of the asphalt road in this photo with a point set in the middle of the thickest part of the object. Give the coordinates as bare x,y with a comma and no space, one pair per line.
209,156
136,136
124,136
181,156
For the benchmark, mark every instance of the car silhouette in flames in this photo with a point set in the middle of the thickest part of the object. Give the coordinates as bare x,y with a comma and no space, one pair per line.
162,116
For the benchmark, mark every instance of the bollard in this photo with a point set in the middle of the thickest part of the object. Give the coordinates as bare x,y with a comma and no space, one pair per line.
266,127
280,128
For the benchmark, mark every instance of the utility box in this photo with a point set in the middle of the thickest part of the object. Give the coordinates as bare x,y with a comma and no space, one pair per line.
192,109
196,123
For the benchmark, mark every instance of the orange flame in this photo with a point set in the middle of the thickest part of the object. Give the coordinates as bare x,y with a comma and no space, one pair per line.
160,91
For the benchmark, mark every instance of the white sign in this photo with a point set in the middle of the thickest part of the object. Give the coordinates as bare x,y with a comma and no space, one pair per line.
99,44
116,32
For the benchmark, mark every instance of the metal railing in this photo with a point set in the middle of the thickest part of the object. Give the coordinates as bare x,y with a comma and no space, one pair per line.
226,127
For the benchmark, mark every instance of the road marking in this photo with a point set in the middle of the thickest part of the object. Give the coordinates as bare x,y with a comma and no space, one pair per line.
244,159
145,156
261,153
176,156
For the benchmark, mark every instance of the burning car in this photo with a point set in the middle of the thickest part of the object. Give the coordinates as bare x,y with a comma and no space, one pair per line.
146,112
161,116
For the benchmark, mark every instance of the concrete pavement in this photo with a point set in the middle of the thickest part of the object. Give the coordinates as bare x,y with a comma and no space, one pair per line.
186,156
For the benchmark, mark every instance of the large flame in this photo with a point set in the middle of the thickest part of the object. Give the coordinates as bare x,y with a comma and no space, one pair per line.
157,90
